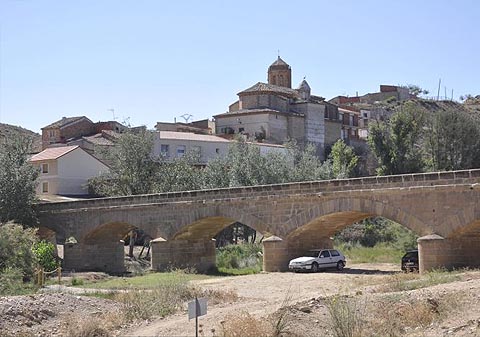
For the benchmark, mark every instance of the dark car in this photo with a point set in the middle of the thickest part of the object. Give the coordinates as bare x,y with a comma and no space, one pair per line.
410,261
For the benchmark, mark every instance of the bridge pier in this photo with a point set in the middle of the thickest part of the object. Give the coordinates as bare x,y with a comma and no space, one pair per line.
106,256
277,252
435,252
198,254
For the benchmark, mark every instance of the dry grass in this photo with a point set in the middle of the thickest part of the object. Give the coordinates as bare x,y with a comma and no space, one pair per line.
412,281
244,325
219,296
393,315
347,315
98,326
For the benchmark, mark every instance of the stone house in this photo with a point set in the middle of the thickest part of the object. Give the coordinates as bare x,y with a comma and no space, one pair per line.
65,129
69,129
65,170
273,112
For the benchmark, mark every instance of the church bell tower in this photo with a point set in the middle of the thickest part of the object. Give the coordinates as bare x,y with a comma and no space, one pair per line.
280,73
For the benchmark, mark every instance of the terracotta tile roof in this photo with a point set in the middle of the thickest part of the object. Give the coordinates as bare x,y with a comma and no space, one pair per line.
65,121
190,136
53,153
265,87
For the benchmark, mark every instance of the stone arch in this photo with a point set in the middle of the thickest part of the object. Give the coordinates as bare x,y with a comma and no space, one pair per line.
471,230
336,214
455,224
209,221
107,232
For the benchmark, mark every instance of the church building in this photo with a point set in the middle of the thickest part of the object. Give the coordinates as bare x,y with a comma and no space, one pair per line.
273,112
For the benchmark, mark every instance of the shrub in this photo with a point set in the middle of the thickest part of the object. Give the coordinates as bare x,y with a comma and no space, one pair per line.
45,253
243,256
16,249
76,281
11,282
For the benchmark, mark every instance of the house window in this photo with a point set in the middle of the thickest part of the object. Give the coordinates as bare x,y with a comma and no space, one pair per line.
51,133
181,150
240,130
45,187
164,149
44,168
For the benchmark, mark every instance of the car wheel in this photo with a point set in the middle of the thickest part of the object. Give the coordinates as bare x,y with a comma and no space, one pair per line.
315,267
340,265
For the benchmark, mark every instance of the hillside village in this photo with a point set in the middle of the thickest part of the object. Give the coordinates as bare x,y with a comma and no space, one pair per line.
74,149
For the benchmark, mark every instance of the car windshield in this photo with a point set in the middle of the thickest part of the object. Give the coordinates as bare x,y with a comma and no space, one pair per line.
313,253
411,254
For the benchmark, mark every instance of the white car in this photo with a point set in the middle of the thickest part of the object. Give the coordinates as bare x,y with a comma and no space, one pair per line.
317,259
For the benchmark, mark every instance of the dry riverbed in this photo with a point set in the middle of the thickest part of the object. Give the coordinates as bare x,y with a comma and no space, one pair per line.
449,309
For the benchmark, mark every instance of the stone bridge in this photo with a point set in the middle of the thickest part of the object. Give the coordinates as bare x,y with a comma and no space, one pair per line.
442,208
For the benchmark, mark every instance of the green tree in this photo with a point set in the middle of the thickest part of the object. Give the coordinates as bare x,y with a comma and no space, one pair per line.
44,253
132,169
306,164
452,141
416,90
180,174
397,143
17,181
344,160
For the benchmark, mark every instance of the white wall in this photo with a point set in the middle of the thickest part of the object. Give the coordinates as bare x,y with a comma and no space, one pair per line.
208,149
74,170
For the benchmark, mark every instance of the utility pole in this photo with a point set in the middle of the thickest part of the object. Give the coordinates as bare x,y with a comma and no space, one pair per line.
438,92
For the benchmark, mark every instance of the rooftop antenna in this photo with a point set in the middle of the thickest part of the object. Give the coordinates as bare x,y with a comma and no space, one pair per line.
186,117
278,52
113,113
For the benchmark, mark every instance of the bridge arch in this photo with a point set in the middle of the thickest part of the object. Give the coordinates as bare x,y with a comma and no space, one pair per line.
314,226
334,215
209,221
192,244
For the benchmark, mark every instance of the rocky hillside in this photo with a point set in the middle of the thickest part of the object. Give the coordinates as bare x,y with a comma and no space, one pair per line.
7,130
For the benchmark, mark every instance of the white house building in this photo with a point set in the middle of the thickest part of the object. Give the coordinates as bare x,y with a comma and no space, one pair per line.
171,144
65,170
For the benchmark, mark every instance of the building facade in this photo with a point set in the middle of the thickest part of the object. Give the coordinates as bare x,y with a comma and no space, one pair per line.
273,112
65,170
171,145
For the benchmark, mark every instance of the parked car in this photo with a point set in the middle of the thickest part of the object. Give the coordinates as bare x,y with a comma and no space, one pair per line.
410,261
317,259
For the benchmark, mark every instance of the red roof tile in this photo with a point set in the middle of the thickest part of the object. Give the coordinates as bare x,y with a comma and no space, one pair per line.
53,153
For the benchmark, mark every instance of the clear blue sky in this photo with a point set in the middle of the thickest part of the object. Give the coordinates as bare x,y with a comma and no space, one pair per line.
155,60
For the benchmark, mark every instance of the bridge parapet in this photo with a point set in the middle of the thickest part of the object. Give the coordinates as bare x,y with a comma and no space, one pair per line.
372,182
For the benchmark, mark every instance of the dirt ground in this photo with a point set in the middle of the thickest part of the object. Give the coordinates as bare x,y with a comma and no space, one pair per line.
263,294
